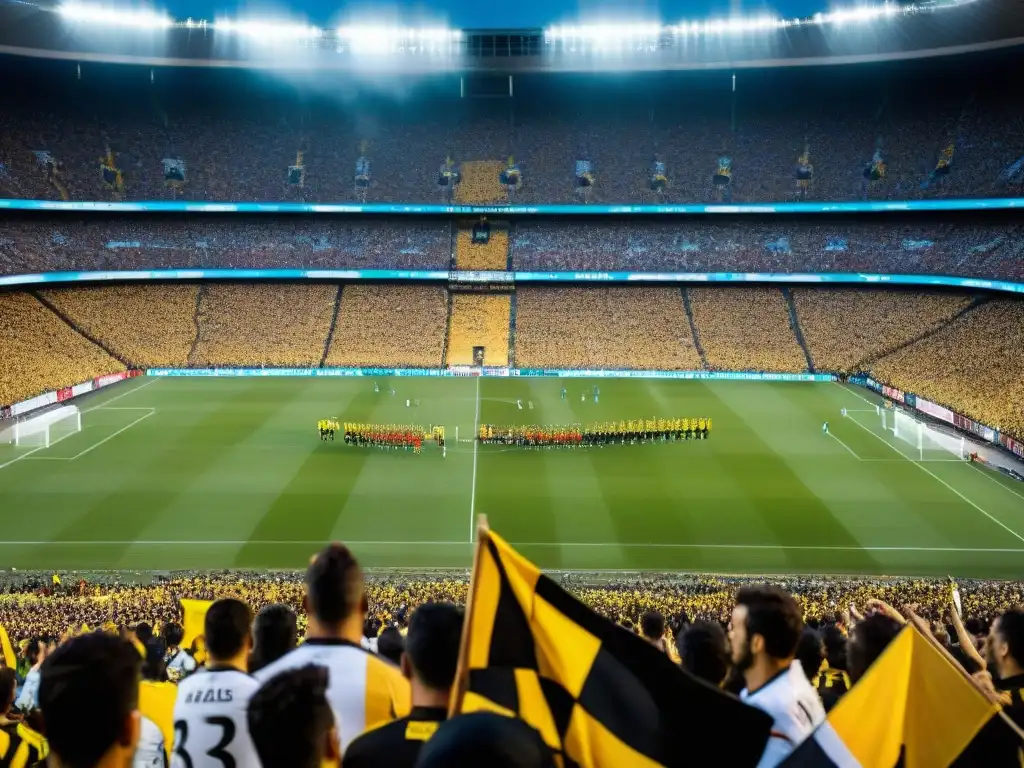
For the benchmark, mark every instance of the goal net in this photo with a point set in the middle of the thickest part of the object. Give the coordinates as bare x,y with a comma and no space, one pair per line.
45,429
929,443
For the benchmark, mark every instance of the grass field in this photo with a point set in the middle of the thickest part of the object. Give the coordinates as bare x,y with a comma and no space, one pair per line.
218,473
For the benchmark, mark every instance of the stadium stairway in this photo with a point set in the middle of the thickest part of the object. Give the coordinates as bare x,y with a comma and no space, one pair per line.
80,330
447,332
693,329
195,319
794,323
480,183
867,362
334,324
478,320
512,330
489,256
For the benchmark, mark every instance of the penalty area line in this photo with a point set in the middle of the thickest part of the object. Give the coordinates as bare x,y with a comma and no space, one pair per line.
925,469
659,545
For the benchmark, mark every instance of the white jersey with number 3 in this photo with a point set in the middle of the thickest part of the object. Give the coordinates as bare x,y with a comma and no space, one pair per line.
210,725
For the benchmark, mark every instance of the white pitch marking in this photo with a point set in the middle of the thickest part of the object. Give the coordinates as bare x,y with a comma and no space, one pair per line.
131,391
848,448
112,436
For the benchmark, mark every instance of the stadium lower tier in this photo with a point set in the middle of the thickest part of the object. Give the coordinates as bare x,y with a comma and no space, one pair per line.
957,349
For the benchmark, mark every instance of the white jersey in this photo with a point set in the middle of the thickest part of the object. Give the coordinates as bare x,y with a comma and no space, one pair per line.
795,708
210,725
150,753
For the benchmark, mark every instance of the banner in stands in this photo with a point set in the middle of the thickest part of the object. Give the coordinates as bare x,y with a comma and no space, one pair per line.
893,394
501,372
112,378
859,278
1014,446
40,401
392,209
935,411
64,394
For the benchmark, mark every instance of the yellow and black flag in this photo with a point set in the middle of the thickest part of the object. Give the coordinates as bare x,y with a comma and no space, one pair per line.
913,709
598,694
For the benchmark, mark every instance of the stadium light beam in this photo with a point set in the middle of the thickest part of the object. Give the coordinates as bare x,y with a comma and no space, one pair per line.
120,17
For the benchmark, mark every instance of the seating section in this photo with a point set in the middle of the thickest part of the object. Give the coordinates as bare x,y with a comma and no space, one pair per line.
389,325
845,327
746,329
263,325
603,328
491,256
150,326
479,320
480,183
39,352
975,365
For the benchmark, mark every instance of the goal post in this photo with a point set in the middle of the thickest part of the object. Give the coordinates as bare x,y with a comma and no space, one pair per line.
929,443
44,429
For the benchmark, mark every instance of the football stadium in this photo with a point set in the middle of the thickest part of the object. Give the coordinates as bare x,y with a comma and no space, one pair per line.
452,390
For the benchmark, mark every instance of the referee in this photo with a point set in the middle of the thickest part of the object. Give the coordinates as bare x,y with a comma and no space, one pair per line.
430,658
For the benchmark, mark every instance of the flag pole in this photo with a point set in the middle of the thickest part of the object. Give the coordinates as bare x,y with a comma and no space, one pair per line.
462,669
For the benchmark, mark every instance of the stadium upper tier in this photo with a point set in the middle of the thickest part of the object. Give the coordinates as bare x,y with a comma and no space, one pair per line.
940,128
969,245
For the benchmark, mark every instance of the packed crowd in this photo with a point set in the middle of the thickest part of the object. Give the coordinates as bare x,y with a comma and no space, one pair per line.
887,243
280,144
35,244
389,325
492,255
848,328
149,326
745,329
479,320
263,325
40,352
796,642
972,365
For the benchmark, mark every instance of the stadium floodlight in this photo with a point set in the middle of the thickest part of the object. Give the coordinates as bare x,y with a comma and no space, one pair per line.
121,17
268,30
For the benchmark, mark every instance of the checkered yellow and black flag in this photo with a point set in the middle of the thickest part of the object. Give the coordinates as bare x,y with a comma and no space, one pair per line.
598,694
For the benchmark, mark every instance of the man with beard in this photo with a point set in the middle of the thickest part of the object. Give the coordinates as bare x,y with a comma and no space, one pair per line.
766,626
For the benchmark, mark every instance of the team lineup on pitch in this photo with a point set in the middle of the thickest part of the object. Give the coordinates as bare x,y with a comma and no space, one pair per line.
204,472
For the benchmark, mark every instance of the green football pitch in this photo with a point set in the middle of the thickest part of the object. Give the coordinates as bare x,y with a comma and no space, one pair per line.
172,473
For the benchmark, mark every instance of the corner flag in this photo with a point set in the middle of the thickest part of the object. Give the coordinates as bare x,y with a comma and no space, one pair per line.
598,694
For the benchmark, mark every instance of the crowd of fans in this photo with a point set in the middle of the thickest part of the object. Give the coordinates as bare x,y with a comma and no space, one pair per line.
738,634
887,243
34,244
972,365
285,144
263,325
479,320
40,352
390,326
592,327
746,329
149,326
846,328
492,255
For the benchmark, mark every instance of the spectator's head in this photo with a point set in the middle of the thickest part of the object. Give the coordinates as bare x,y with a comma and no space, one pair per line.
36,651
391,645
766,626
291,722
485,739
335,594
144,631
835,646
275,632
227,629
8,684
809,652
703,651
88,695
868,639
432,652
652,626
1004,648
173,633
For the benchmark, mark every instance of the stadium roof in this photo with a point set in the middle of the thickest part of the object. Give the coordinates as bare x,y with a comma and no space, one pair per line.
83,32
